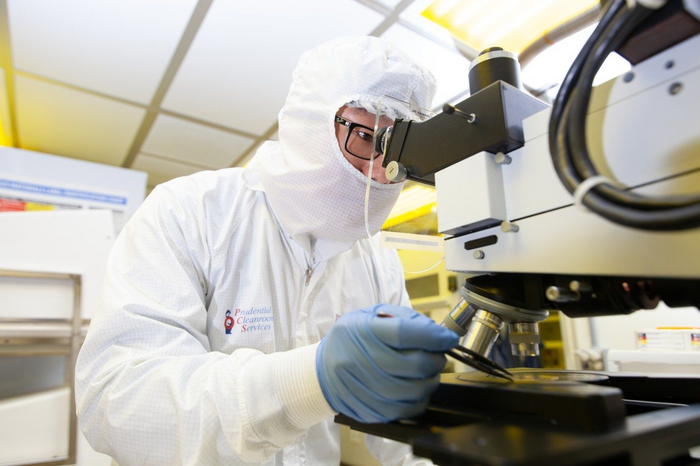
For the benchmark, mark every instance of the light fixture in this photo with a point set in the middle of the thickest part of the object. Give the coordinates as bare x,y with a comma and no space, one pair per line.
510,24
414,201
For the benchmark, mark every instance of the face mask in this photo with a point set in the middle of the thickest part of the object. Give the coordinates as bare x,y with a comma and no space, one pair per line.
311,187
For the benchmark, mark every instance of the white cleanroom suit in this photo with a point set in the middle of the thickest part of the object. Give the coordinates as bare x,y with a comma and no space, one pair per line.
218,290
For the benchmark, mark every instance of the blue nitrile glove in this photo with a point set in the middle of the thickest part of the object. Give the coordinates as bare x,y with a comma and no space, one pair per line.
379,369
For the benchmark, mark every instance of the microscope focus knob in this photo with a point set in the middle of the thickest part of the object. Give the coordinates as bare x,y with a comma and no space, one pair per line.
502,159
509,227
395,172
561,295
452,110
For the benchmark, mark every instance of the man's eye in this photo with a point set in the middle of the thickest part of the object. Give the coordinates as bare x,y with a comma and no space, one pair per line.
365,136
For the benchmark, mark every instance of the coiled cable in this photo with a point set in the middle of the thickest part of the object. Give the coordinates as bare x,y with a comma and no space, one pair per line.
567,136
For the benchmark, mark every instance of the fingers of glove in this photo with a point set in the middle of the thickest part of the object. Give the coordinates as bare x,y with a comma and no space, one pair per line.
413,409
370,406
402,409
351,318
351,400
396,311
387,386
383,411
416,332
409,364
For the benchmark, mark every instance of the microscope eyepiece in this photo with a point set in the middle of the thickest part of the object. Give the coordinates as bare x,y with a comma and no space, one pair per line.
381,139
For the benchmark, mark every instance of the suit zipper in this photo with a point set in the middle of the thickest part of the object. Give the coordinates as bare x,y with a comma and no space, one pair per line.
309,271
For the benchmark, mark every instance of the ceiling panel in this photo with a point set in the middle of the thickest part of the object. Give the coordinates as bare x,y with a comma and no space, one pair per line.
238,69
412,17
390,3
118,47
58,120
190,142
451,70
548,69
160,171
244,162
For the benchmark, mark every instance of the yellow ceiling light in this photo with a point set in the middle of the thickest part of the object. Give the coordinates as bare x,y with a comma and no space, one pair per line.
5,139
414,201
510,24
5,127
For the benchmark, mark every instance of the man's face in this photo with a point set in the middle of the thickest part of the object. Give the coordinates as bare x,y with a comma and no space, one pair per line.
364,118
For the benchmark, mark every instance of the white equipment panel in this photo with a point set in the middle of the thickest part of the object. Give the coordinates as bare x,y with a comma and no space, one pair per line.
644,132
75,242
51,269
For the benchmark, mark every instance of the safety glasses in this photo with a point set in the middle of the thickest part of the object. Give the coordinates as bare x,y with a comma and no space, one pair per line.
358,141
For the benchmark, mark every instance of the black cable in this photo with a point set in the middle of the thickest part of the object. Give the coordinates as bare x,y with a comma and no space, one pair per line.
610,39
579,110
559,107
567,137
626,21
567,85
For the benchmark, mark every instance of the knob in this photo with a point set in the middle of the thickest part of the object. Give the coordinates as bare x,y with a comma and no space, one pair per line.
508,227
451,110
395,172
561,295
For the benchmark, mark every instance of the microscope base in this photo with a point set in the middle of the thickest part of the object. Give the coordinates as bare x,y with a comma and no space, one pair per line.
621,419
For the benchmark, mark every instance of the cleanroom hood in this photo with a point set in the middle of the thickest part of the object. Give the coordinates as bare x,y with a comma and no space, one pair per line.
316,194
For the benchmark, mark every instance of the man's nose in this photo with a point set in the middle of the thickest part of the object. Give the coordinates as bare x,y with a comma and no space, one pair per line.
377,170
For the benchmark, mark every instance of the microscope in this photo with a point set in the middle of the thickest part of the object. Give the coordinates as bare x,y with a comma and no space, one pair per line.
590,207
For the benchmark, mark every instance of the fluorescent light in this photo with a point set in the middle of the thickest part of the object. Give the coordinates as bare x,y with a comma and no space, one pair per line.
413,202
527,16
5,127
511,24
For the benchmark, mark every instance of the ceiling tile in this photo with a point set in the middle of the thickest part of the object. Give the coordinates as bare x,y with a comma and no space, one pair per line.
412,16
58,120
549,68
160,171
390,3
118,47
249,156
191,142
416,7
451,70
238,69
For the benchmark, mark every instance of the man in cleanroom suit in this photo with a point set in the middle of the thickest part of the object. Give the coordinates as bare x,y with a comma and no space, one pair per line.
319,324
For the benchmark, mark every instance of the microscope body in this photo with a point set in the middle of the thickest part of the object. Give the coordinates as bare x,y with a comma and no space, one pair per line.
529,246
510,223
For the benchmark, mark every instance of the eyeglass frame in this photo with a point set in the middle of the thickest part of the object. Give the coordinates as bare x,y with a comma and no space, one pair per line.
350,125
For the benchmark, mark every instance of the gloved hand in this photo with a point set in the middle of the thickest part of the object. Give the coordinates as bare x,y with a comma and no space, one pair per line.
379,369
